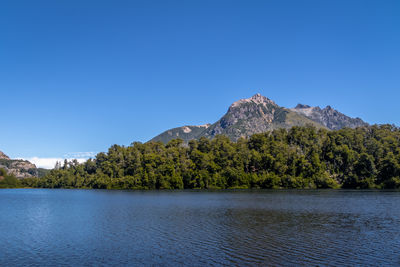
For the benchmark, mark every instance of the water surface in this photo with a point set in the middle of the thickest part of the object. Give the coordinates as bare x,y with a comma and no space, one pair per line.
197,228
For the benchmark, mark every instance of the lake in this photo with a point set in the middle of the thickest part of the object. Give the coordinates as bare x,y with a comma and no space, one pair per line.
44,227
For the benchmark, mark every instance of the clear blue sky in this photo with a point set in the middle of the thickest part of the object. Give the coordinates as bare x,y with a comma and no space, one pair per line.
79,76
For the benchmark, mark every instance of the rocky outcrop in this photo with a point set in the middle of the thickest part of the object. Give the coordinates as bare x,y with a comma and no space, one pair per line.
18,167
3,156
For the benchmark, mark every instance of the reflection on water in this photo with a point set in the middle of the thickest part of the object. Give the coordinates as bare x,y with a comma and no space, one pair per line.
89,227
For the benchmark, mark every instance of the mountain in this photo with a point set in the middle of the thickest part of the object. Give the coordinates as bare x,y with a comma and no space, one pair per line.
259,114
255,115
19,168
328,117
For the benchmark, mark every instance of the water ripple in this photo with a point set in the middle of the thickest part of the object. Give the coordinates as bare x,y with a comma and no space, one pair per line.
184,228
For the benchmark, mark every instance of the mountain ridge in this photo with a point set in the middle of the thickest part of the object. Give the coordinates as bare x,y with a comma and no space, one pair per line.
260,114
329,117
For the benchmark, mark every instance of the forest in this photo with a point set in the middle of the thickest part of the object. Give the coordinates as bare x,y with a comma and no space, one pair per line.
301,157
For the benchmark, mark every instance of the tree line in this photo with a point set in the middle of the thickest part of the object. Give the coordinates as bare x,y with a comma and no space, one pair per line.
9,180
301,157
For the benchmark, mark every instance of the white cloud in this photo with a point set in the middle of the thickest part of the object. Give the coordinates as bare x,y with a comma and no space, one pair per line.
76,155
49,163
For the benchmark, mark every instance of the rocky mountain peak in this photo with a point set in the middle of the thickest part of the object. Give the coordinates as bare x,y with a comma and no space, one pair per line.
256,99
301,106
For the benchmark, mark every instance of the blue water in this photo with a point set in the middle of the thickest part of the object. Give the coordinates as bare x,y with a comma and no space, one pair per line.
198,228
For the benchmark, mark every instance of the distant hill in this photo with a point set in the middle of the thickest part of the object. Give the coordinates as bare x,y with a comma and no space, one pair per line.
20,168
260,114
186,133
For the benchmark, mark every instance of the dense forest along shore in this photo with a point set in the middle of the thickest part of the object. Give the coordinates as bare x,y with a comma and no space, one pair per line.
302,157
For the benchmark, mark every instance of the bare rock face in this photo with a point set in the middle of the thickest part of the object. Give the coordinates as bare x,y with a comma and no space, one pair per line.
329,117
18,167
